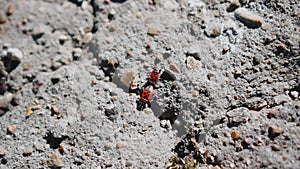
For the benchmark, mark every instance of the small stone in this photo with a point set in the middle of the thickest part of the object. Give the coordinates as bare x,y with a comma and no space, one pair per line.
108,146
76,53
5,100
27,153
55,162
120,145
225,50
235,135
128,164
12,59
294,94
193,63
54,109
108,164
148,111
281,46
38,33
61,149
62,39
195,93
174,68
10,10
112,28
125,125
153,31
27,66
87,38
274,132
275,147
11,130
166,124
248,18
138,15
84,5
213,31
2,19
233,6
271,114
247,141
158,58
237,72
2,152
111,14
168,75
243,2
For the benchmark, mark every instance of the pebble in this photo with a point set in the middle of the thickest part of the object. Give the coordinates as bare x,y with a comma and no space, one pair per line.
111,15
12,58
159,58
54,109
10,9
37,34
27,153
274,131
76,53
61,149
84,5
271,114
174,68
2,152
235,135
193,64
108,164
5,100
213,31
128,164
14,54
233,6
165,124
55,162
87,38
120,145
225,50
195,93
275,147
294,94
168,75
153,31
248,18
11,130
139,15
148,111
29,112
2,19
108,146
243,2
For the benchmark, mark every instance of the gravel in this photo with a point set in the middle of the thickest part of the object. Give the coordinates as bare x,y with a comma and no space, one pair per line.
228,96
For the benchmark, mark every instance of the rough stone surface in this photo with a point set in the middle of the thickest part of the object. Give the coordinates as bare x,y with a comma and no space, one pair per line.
219,77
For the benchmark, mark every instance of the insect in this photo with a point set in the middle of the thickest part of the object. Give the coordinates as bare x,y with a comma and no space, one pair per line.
145,98
154,75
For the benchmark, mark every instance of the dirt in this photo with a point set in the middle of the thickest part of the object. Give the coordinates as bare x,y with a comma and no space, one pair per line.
227,97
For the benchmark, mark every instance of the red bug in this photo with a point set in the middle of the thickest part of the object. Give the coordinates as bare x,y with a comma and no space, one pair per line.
147,94
154,75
